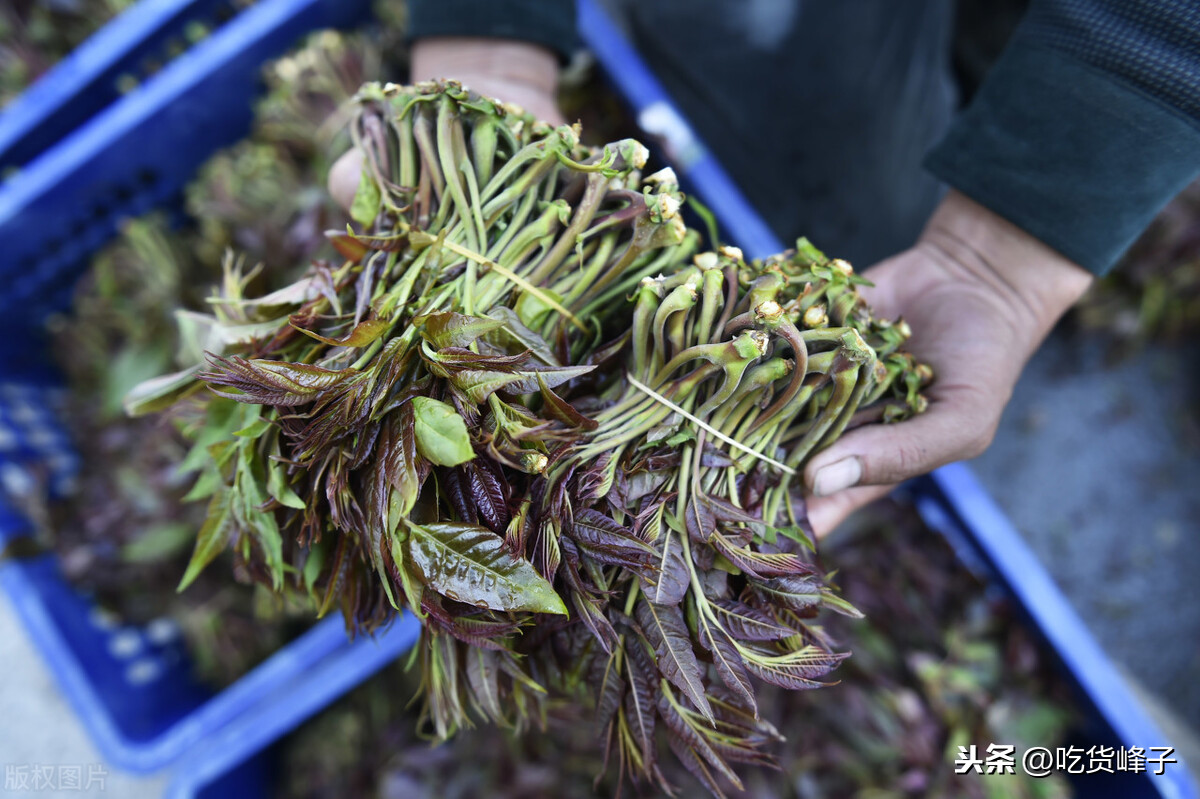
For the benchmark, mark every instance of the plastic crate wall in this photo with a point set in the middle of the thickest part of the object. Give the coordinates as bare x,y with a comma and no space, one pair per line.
131,687
139,150
95,75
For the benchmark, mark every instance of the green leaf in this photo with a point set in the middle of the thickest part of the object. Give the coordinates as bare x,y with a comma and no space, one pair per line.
682,437
161,392
278,487
442,436
412,587
158,543
212,538
453,329
480,383
250,493
207,483
367,200
255,428
298,293
550,376
133,365
222,418
470,564
515,329
482,676
233,335
809,253
532,310
315,561
794,533
839,605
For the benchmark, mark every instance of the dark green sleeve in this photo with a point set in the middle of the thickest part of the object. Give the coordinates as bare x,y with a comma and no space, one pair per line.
550,23
1088,124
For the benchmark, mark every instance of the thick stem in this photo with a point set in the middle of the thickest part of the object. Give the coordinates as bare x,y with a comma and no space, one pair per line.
593,195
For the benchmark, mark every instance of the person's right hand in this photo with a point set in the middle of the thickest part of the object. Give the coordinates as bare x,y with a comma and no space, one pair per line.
980,294
507,70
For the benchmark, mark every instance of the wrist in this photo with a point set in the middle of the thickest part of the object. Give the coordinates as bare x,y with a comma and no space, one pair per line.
1035,283
507,69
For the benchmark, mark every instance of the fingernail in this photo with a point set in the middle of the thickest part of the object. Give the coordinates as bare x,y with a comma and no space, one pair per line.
837,476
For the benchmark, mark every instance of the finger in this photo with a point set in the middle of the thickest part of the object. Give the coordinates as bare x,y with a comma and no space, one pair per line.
826,513
956,428
344,177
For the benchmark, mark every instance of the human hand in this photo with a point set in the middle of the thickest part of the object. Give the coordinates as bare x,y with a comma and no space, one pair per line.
512,71
980,295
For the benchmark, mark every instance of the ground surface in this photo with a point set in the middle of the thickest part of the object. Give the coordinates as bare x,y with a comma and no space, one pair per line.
41,742
1098,465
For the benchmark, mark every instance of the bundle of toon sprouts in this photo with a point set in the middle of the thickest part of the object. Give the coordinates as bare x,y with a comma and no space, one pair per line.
524,408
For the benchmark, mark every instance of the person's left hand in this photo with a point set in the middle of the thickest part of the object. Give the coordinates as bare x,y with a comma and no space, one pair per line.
511,71
980,294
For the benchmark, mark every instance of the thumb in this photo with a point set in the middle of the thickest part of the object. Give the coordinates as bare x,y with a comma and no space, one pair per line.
344,176
884,454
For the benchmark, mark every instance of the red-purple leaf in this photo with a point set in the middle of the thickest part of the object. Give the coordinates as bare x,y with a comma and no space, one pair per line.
698,519
608,698
669,581
695,739
349,247
562,410
795,593
593,617
488,491
760,565
364,333
697,766
794,676
749,624
639,706
608,542
264,382
454,489
668,634
728,663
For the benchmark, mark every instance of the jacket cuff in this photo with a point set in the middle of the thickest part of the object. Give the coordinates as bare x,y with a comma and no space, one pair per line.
550,23
1069,153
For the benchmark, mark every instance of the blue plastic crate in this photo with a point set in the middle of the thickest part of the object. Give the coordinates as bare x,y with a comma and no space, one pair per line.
123,156
132,687
136,153
90,79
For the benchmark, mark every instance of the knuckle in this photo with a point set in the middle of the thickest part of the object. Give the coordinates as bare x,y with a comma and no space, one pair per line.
908,460
980,439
